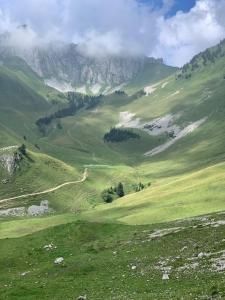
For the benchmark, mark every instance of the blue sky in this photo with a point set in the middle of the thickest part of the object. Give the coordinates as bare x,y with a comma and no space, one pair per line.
182,5
119,27
177,5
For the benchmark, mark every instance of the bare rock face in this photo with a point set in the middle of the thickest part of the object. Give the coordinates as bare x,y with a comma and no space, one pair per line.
66,63
9,162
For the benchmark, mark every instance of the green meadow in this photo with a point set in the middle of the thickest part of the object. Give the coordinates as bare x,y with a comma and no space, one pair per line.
106,247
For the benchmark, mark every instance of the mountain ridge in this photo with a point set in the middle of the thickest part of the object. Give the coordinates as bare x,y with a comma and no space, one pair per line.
65,68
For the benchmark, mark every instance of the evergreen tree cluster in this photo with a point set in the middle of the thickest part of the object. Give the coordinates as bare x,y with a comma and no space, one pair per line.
116,135
23,150
132,97
138,95
119,92
140,186
112,193
76,102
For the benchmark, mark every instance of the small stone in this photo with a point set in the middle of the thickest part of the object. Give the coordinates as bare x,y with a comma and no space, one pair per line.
134,267
49,247
201,255
59,260
25,273
165,276
82,297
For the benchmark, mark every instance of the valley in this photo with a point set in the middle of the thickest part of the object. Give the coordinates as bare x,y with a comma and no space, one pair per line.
160,135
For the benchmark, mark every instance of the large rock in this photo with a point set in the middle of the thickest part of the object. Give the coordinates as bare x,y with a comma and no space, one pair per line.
37,210
9,162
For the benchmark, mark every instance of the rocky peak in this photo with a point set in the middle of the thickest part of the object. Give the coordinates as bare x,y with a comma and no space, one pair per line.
66,64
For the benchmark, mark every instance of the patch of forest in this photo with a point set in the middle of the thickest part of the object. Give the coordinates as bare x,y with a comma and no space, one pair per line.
116,135
76,101
113,193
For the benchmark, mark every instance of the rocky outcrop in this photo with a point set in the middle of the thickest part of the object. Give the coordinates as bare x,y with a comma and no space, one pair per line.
38,210
9,162
32,211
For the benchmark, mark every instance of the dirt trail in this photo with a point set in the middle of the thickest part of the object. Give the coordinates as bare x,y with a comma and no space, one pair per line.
85,175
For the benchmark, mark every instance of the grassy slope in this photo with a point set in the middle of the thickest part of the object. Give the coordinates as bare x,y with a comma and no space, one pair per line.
23,99
82,137
24,73
187,179
20,104
80,143
152,73
182,161
40,172
186,176
36,174
169,199
98,260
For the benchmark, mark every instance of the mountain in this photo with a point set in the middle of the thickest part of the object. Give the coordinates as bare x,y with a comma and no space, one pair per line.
65,67
160,137
179,122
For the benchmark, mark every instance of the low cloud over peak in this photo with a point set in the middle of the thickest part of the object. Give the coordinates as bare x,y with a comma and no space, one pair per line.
116,27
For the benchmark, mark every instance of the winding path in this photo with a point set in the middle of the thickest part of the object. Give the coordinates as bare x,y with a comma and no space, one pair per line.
84,177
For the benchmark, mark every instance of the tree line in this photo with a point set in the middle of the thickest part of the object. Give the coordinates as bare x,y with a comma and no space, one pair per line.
209,56
116,135
76,101
112,193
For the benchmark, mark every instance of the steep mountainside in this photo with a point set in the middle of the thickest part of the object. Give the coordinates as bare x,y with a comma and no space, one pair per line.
64,67
20,104
23,99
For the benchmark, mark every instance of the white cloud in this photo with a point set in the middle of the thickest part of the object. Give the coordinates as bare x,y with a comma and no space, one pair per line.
94,43
186,34
116,27
113,26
